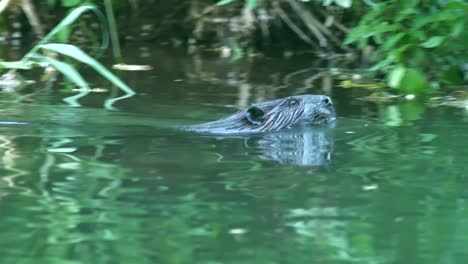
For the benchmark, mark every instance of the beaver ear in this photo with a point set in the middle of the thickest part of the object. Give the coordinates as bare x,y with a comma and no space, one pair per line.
254,115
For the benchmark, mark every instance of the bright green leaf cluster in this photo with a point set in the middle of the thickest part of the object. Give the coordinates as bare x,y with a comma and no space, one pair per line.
409,81
416,41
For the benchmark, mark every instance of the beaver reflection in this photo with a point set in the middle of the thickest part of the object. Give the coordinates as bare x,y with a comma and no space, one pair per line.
307,146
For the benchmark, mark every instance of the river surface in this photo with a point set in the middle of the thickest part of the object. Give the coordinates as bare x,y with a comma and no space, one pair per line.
388,184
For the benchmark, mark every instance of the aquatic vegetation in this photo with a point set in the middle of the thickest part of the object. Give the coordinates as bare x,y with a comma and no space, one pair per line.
45,55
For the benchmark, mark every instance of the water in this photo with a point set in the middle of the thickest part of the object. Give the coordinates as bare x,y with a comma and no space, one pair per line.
89,185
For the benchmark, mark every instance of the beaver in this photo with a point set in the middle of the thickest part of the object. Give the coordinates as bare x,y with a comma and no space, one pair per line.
272,116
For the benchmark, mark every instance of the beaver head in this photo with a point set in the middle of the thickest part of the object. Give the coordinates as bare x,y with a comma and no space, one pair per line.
293,111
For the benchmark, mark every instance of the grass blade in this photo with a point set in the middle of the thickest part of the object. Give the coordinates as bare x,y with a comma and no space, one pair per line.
67,21
224,2
78,54
71,73
108,104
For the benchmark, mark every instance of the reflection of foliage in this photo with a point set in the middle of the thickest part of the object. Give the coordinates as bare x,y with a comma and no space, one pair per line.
170,199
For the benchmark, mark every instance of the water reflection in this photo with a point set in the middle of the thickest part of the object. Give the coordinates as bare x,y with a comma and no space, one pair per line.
83,185
307,147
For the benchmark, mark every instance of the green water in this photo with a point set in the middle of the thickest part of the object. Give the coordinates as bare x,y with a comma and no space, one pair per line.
388,184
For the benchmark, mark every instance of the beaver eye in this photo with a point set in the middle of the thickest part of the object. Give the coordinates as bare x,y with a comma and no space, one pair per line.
293,102
327,101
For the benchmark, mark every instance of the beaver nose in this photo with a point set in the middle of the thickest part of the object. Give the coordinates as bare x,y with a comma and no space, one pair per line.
327,101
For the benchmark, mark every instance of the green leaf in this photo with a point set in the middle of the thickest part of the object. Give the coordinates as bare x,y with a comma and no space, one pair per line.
405,14
364,31
383,63
395,77
457,29
408,4
66,69
433,42
67,21
224,2
78,54
378,39
374,14
71,73
75,14
398,54
251,4
370,3
382,28
70,3
392,41
408,80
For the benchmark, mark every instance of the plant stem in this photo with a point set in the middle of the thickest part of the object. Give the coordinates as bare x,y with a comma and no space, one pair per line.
113,31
